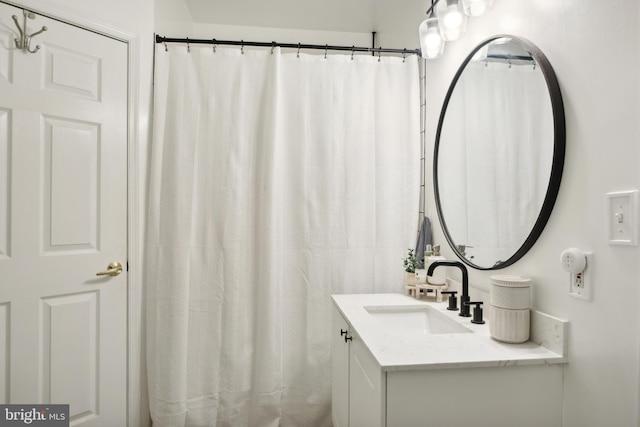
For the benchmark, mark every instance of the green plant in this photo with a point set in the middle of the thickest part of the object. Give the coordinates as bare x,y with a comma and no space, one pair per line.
410,263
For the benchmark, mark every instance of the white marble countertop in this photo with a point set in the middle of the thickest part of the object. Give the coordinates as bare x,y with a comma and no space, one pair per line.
393,352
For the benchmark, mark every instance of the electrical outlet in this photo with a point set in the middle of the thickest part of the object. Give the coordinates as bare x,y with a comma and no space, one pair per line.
578,281
580,285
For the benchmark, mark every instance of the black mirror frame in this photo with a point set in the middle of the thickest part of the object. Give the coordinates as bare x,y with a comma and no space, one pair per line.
559,132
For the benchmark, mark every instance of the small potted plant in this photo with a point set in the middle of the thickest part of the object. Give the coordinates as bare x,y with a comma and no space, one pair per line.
411,264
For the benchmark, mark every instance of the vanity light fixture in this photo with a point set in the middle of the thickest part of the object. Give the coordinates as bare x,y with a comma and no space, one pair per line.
447,21
431,42
476,7
452,20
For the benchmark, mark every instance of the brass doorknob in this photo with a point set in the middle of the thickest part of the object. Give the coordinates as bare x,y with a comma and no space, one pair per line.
113,269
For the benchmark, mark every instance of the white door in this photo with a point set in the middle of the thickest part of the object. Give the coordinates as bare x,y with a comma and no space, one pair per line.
63,207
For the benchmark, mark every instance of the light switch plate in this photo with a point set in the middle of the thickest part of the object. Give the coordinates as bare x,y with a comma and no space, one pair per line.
622,217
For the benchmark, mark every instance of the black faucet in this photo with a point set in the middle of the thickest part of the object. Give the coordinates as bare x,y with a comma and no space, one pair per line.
464,308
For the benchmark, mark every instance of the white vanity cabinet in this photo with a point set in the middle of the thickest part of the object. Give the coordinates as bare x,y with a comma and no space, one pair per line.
339,370
451,383
522,396
358,389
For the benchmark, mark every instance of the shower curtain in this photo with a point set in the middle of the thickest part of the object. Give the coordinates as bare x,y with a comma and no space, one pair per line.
277,180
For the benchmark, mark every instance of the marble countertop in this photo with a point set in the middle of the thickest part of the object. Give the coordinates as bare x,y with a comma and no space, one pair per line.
394,352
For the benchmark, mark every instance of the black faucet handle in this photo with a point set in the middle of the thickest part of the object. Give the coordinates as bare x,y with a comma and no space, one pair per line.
453,302
477,311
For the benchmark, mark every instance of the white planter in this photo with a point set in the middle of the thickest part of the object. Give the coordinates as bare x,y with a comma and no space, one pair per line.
421,275
410,279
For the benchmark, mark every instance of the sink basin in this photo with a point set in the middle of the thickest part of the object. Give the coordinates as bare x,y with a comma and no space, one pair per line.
415,321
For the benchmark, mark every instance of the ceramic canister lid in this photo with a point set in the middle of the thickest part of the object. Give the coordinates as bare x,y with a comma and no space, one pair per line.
511,281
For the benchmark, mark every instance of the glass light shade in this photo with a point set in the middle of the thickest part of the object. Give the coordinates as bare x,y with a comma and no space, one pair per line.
476,7
451,19
431,42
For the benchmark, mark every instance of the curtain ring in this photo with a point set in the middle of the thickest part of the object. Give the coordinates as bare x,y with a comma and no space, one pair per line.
404,55
214,45
166,48
298,54
326,47
353,50
188,46
273,46
379,53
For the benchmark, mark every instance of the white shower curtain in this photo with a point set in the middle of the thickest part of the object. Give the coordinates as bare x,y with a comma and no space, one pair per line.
276,181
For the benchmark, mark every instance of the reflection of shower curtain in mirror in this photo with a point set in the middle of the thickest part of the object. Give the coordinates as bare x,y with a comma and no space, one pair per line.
507,149
275,182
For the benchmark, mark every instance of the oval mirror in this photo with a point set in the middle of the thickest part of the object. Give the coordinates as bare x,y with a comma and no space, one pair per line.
499,152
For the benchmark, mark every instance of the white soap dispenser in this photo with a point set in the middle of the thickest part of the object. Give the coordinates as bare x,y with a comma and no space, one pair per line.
440,274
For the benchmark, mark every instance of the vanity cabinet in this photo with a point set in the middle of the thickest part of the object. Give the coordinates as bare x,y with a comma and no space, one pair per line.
358,389
366,395
523,396
340,348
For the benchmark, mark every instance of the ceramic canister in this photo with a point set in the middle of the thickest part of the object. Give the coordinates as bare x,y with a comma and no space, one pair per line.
510,299
511,292
508,325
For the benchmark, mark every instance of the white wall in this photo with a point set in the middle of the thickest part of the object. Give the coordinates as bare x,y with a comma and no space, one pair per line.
594,51
173,19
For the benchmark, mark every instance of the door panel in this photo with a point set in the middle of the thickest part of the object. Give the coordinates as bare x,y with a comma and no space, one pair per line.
70,221
72,72
5,174
6,39
4,353
70,339
63,218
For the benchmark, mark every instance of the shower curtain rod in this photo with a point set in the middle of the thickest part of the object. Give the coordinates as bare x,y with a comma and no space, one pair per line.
161,39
